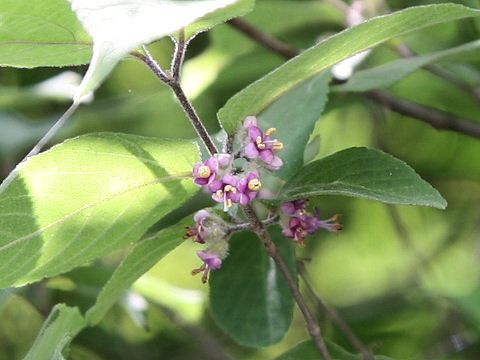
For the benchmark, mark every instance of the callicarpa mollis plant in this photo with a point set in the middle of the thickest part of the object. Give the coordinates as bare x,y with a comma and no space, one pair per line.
234,178
258,196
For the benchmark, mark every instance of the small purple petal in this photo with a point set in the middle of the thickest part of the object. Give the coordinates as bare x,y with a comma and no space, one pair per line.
212,163
230,179
224,160
254,132
276,163
214,186
211,260
267,156
201,215
251,151
201,181
250,121
195,169
289,208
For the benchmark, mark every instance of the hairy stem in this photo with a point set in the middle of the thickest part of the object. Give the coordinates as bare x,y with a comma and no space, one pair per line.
272,250
187,106
333,315
249,226
179,55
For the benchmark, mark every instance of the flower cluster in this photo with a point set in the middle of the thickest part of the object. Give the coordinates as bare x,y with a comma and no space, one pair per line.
230,184
216,175
209,229
301,223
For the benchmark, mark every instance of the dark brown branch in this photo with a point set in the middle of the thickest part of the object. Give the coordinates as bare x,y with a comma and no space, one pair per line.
436,118
332,314
312,324
264,39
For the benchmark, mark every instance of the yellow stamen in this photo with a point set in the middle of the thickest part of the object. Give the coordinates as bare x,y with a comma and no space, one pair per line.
219,193
229,203
278,146
261,146
228,188
204,171
270,131
258,140
254,185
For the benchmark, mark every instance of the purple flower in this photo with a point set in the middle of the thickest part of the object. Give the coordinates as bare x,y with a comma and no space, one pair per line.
225,190
298,230
211,261
198,233
327,224
305,224
250,121
291,207
261,145
248,188
204,173
224,160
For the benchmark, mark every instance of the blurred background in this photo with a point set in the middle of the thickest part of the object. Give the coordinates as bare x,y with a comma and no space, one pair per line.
406,279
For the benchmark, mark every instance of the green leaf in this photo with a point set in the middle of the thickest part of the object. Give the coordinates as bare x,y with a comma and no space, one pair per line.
254,98
61,326
385,75
147,21
249,298
365,173
143,256
302,105
87,197
307,350
41,33
239,8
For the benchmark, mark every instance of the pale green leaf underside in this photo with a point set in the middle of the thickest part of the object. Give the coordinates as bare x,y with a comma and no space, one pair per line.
60,327
86,197
364,173
143,256
41,33
255,97
121,26
386,75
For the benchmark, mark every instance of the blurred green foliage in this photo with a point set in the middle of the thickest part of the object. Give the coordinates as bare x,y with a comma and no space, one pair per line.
407,280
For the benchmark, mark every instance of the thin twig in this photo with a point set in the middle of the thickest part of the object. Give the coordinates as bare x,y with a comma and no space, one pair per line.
52,131
179,55
333,315
264,39
405,51
272,250
153,65
249,226
436,118
184,102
